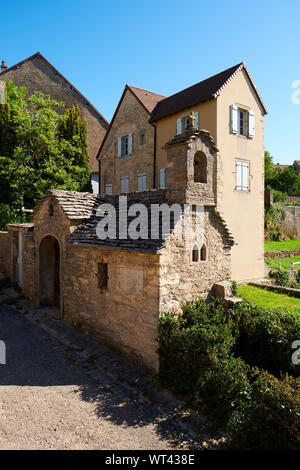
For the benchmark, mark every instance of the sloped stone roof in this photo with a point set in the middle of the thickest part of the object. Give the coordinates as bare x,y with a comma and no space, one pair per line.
85,233
74,204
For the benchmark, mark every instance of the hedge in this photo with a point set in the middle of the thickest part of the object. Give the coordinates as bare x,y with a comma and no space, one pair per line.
215,358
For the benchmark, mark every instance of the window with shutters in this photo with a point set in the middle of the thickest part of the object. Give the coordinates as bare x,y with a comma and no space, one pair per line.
163,178
108,189
183,123
242,176
242,122
142,182
125,145
124,184
102,276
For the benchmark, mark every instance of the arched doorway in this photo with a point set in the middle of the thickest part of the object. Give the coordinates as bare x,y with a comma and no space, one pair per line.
49,271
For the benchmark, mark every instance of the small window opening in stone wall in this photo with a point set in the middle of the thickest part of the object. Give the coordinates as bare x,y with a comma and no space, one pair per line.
102,276
200,168
195,254
51,210
203,253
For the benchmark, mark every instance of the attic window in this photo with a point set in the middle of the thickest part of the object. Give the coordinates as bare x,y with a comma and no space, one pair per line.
51,210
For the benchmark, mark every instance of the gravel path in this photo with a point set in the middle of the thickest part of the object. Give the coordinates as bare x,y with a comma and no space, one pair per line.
61,390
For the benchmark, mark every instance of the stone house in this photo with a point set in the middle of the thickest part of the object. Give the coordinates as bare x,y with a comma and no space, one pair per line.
114,288
227,105
37,74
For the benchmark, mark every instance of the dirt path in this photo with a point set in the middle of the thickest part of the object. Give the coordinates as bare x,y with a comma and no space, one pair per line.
61,390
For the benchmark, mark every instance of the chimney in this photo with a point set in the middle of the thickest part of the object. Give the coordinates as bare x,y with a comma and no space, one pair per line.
3,66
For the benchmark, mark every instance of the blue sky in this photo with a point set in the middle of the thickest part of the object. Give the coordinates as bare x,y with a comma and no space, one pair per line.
165,46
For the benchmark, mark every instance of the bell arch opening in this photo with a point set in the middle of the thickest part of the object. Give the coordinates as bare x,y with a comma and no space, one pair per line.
49,272
200,167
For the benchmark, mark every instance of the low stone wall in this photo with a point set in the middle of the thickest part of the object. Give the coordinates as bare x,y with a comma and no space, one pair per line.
279,289
5,250
282,254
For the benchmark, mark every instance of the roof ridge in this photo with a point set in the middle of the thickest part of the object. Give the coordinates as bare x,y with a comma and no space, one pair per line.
205,79
143,89
38,54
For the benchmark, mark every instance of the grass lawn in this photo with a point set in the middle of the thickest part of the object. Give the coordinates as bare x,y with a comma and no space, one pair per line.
285,262
267,299
284,245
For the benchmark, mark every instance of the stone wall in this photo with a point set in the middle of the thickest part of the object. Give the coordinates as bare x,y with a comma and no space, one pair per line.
181,278
290,226
5,253
282,253
131,117
37,75
125,315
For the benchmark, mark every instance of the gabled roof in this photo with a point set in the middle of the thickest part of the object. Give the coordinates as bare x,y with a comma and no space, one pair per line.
202,91
146,98
40,56
75,205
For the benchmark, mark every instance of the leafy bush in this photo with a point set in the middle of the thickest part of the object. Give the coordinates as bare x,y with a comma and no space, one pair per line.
281,278
265,337
278,196
199,359
259,410
187,343
9,215
234,287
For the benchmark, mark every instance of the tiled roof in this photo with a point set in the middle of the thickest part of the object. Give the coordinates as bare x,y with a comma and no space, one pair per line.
147,98
74,204
282,167
202,91
85,233
40,56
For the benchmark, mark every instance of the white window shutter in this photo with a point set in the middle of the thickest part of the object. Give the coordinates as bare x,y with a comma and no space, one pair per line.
239,176
245,177
119,146
234,119
130,143
178,126
124,184
251,124
196,122
142,182
108,189
163,178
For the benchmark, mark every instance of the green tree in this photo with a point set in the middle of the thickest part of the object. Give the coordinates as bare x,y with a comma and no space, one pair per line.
43,149
74,131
